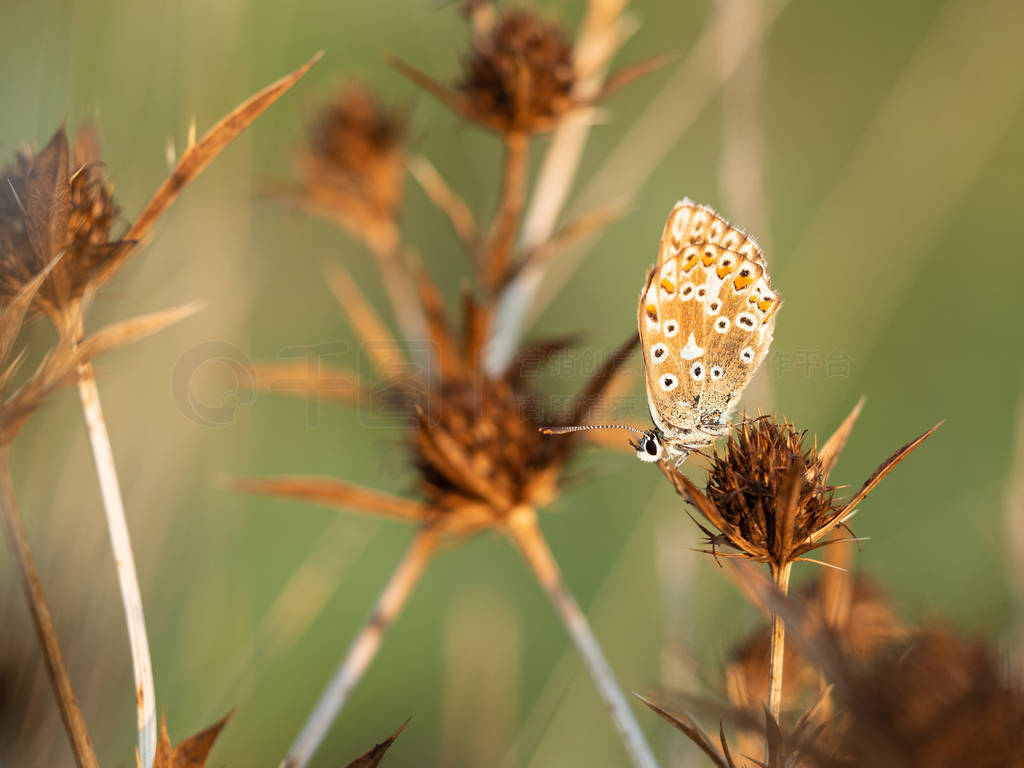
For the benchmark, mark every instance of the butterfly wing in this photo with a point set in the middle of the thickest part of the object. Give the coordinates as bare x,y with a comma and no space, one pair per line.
706,318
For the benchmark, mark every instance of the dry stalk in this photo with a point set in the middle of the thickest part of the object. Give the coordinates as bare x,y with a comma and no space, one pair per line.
780,578
124,560
510,211
522,528
81,745
363,649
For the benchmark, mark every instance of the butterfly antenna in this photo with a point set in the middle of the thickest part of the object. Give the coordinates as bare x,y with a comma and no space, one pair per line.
584,427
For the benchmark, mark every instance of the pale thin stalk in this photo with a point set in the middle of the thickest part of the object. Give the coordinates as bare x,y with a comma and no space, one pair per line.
81,745
363,649
780,577
524,531
124,560
599,39
386,245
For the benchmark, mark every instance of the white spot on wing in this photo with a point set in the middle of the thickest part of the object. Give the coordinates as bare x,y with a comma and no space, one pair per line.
668,382
659,352
691,351
747,355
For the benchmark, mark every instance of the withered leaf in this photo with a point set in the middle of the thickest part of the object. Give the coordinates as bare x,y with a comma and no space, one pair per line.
197,156
689,725
190,753
372,758
48,199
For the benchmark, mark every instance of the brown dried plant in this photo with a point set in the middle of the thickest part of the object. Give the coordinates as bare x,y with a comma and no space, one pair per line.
481,461
57,368
193,752
518,80
57,212
769,500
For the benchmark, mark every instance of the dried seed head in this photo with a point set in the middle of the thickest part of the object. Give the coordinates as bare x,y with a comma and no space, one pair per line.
760,486
353,169
479,451
50,204
768,495
934,700
519,77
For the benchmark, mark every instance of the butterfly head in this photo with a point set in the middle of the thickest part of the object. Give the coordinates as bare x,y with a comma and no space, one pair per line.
649,447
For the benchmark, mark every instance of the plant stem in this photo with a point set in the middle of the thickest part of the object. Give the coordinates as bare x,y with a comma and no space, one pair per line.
127,579
525,532
363,649
81,745
386,245
510,210
780,578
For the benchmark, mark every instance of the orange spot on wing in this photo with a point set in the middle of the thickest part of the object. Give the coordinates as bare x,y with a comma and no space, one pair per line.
723,271
667,285
765,304
742,282
708,258
691,261
652,312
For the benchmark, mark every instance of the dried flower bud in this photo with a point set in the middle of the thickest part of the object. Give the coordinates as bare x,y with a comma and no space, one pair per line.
354,169
481,450
50,205
934,700
520,77
769,496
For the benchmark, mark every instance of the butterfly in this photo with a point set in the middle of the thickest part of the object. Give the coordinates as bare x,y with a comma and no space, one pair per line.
706,317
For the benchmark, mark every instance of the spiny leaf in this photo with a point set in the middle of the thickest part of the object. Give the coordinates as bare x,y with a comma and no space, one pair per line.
197,156
688,725
133,329
372,758
193,752
13,314
830,451
48,198
332,493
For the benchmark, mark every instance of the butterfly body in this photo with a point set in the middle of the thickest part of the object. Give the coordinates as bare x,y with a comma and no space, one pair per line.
706,318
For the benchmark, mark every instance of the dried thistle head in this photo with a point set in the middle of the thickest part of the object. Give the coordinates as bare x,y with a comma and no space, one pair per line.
354,166
474,438
768,493
479,451
520,76
935,700
57,203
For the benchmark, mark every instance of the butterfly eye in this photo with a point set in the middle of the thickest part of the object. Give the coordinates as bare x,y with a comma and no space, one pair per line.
649,449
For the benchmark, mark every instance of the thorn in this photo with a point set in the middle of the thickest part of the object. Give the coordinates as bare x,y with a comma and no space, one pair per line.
170,153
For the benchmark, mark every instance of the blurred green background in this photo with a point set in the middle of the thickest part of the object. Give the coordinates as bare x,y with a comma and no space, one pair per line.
874,148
